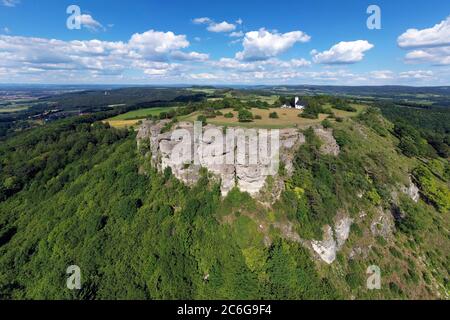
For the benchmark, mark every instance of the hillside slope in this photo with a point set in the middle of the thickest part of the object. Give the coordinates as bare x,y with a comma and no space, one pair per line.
82,194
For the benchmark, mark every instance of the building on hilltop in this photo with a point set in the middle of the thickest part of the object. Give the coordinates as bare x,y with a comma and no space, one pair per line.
299,105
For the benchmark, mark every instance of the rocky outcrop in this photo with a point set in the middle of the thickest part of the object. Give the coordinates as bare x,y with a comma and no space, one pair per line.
383,224
411,191
329,144
333,241
327,248
214,154
290,139
342,230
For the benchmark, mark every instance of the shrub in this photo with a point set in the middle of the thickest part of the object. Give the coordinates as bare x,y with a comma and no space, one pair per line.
326,123
245,116
257,117
273,115
432,188
308,115
228,115
202,118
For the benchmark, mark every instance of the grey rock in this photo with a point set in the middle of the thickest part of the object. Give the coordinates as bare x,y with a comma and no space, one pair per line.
248,177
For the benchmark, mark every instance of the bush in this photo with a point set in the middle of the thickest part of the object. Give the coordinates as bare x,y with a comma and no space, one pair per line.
273,115
326,123
202,119
228,115
432,188
308,115
257,117
245,116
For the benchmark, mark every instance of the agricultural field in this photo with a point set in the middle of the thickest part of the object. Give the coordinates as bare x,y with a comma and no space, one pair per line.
133,117
12,108
286,118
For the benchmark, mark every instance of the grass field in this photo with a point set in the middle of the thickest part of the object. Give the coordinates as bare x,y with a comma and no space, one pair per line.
122,123
133,117
287,118
141,113
13,109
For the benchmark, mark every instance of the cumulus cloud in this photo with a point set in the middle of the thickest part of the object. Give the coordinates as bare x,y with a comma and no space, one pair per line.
203,20
156,43
213,26
10,3
428,46
203,76
189,56
150,52
343,52
436,36
435,56
87,21
382,74
270,65
262,44
417,74
236,34
221,27
300,63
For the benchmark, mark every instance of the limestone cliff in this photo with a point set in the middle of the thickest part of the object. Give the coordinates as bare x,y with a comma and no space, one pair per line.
248,177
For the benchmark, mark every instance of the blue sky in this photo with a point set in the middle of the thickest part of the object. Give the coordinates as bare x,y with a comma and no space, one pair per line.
225,42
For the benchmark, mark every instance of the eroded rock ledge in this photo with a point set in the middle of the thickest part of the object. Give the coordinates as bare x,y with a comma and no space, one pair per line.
333,241
247,177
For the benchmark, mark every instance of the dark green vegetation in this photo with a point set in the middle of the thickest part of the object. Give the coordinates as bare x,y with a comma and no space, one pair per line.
426,123
77,192
113,102
134,236
245,116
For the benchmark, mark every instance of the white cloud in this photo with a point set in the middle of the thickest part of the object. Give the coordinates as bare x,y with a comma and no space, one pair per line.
90,23
343,52
236,34
213,26
435,56
382,74
203,76
149,52
431,46
437,36
10,3
270,65
300,63
417,74
221,27
203,20
262,44
156,43
239,21
189,56
6,30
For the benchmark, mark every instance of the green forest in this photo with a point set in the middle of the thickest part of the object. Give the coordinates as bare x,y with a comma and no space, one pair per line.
78,192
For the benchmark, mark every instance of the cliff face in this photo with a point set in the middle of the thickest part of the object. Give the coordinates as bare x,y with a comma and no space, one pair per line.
166,148
220,156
